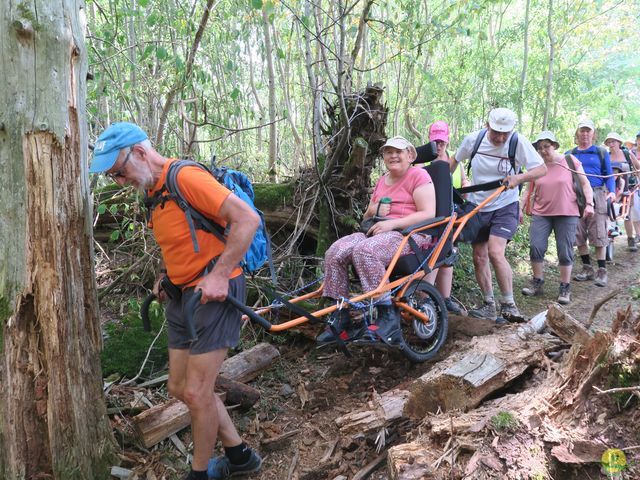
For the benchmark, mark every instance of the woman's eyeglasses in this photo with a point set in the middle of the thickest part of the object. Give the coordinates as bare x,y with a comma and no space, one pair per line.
118,173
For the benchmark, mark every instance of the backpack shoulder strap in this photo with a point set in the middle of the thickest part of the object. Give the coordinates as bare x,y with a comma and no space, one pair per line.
171,184
603,167
476,147
513,145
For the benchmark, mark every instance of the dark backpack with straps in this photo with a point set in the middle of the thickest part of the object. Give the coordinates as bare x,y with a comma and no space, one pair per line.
631,179
513,145
260,249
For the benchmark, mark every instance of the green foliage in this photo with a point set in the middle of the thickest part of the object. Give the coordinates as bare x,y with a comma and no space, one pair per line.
504,422
635,292
622,375
126,343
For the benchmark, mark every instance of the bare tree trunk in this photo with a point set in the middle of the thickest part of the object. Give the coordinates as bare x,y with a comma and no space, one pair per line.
525,63
52,415
310,62
552,51
273,132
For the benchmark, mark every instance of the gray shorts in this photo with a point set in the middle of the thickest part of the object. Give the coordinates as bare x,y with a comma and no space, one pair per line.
564,229
217,324
502,223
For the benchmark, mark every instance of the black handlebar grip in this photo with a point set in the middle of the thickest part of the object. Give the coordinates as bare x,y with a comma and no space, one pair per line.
144,312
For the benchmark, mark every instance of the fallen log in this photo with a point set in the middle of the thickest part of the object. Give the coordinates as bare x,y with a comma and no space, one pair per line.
560,420
247,365
237,393
379,412
566,327
162,421
410,461
465,378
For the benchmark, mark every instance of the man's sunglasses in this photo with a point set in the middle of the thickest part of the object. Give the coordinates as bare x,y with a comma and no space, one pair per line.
118,173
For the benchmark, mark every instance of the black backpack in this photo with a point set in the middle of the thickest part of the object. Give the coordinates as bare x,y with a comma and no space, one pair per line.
631,179
513,145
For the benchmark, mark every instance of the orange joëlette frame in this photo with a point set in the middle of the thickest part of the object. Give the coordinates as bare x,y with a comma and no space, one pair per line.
385,285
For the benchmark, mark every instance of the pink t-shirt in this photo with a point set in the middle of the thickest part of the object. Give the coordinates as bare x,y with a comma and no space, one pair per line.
554,194
401,192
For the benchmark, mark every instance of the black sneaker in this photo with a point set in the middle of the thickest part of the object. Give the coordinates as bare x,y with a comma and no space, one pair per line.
387,326
221,468
341,320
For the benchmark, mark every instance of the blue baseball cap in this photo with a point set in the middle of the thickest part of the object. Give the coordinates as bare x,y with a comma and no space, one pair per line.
119,135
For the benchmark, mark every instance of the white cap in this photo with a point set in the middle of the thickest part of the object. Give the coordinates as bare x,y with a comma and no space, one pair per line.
398,142
502,120
586,122
613,136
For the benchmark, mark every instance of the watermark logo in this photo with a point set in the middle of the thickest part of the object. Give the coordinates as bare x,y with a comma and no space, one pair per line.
613,461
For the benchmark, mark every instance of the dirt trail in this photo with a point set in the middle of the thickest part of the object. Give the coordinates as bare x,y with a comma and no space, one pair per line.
623,273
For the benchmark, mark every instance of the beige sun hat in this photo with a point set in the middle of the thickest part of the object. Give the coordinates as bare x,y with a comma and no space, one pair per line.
546,135
400,143
614,136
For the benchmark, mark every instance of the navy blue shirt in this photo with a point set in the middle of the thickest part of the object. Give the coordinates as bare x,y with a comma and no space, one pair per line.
591,164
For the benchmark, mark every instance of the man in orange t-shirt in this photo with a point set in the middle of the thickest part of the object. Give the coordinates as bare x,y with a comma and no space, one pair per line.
124,152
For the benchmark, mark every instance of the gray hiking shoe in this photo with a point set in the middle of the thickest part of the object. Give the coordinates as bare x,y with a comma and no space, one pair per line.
453,306
535,288
601,277
486,311
510,312
587,273
564,296
631,245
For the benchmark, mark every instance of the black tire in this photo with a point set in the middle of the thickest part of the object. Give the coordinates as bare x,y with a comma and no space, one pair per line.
422,342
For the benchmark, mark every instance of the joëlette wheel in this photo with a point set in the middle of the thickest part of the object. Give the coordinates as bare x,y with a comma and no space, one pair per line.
423,340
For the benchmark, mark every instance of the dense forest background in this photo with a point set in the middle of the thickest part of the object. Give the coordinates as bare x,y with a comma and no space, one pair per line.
251,82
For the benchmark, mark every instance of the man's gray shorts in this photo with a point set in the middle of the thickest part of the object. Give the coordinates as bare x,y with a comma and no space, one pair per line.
502,223
217,324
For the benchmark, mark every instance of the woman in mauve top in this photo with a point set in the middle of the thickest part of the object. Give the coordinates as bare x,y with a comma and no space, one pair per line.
554,207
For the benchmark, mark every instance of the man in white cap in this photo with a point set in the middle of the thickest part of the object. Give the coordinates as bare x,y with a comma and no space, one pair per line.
627,161
496,152
597,165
